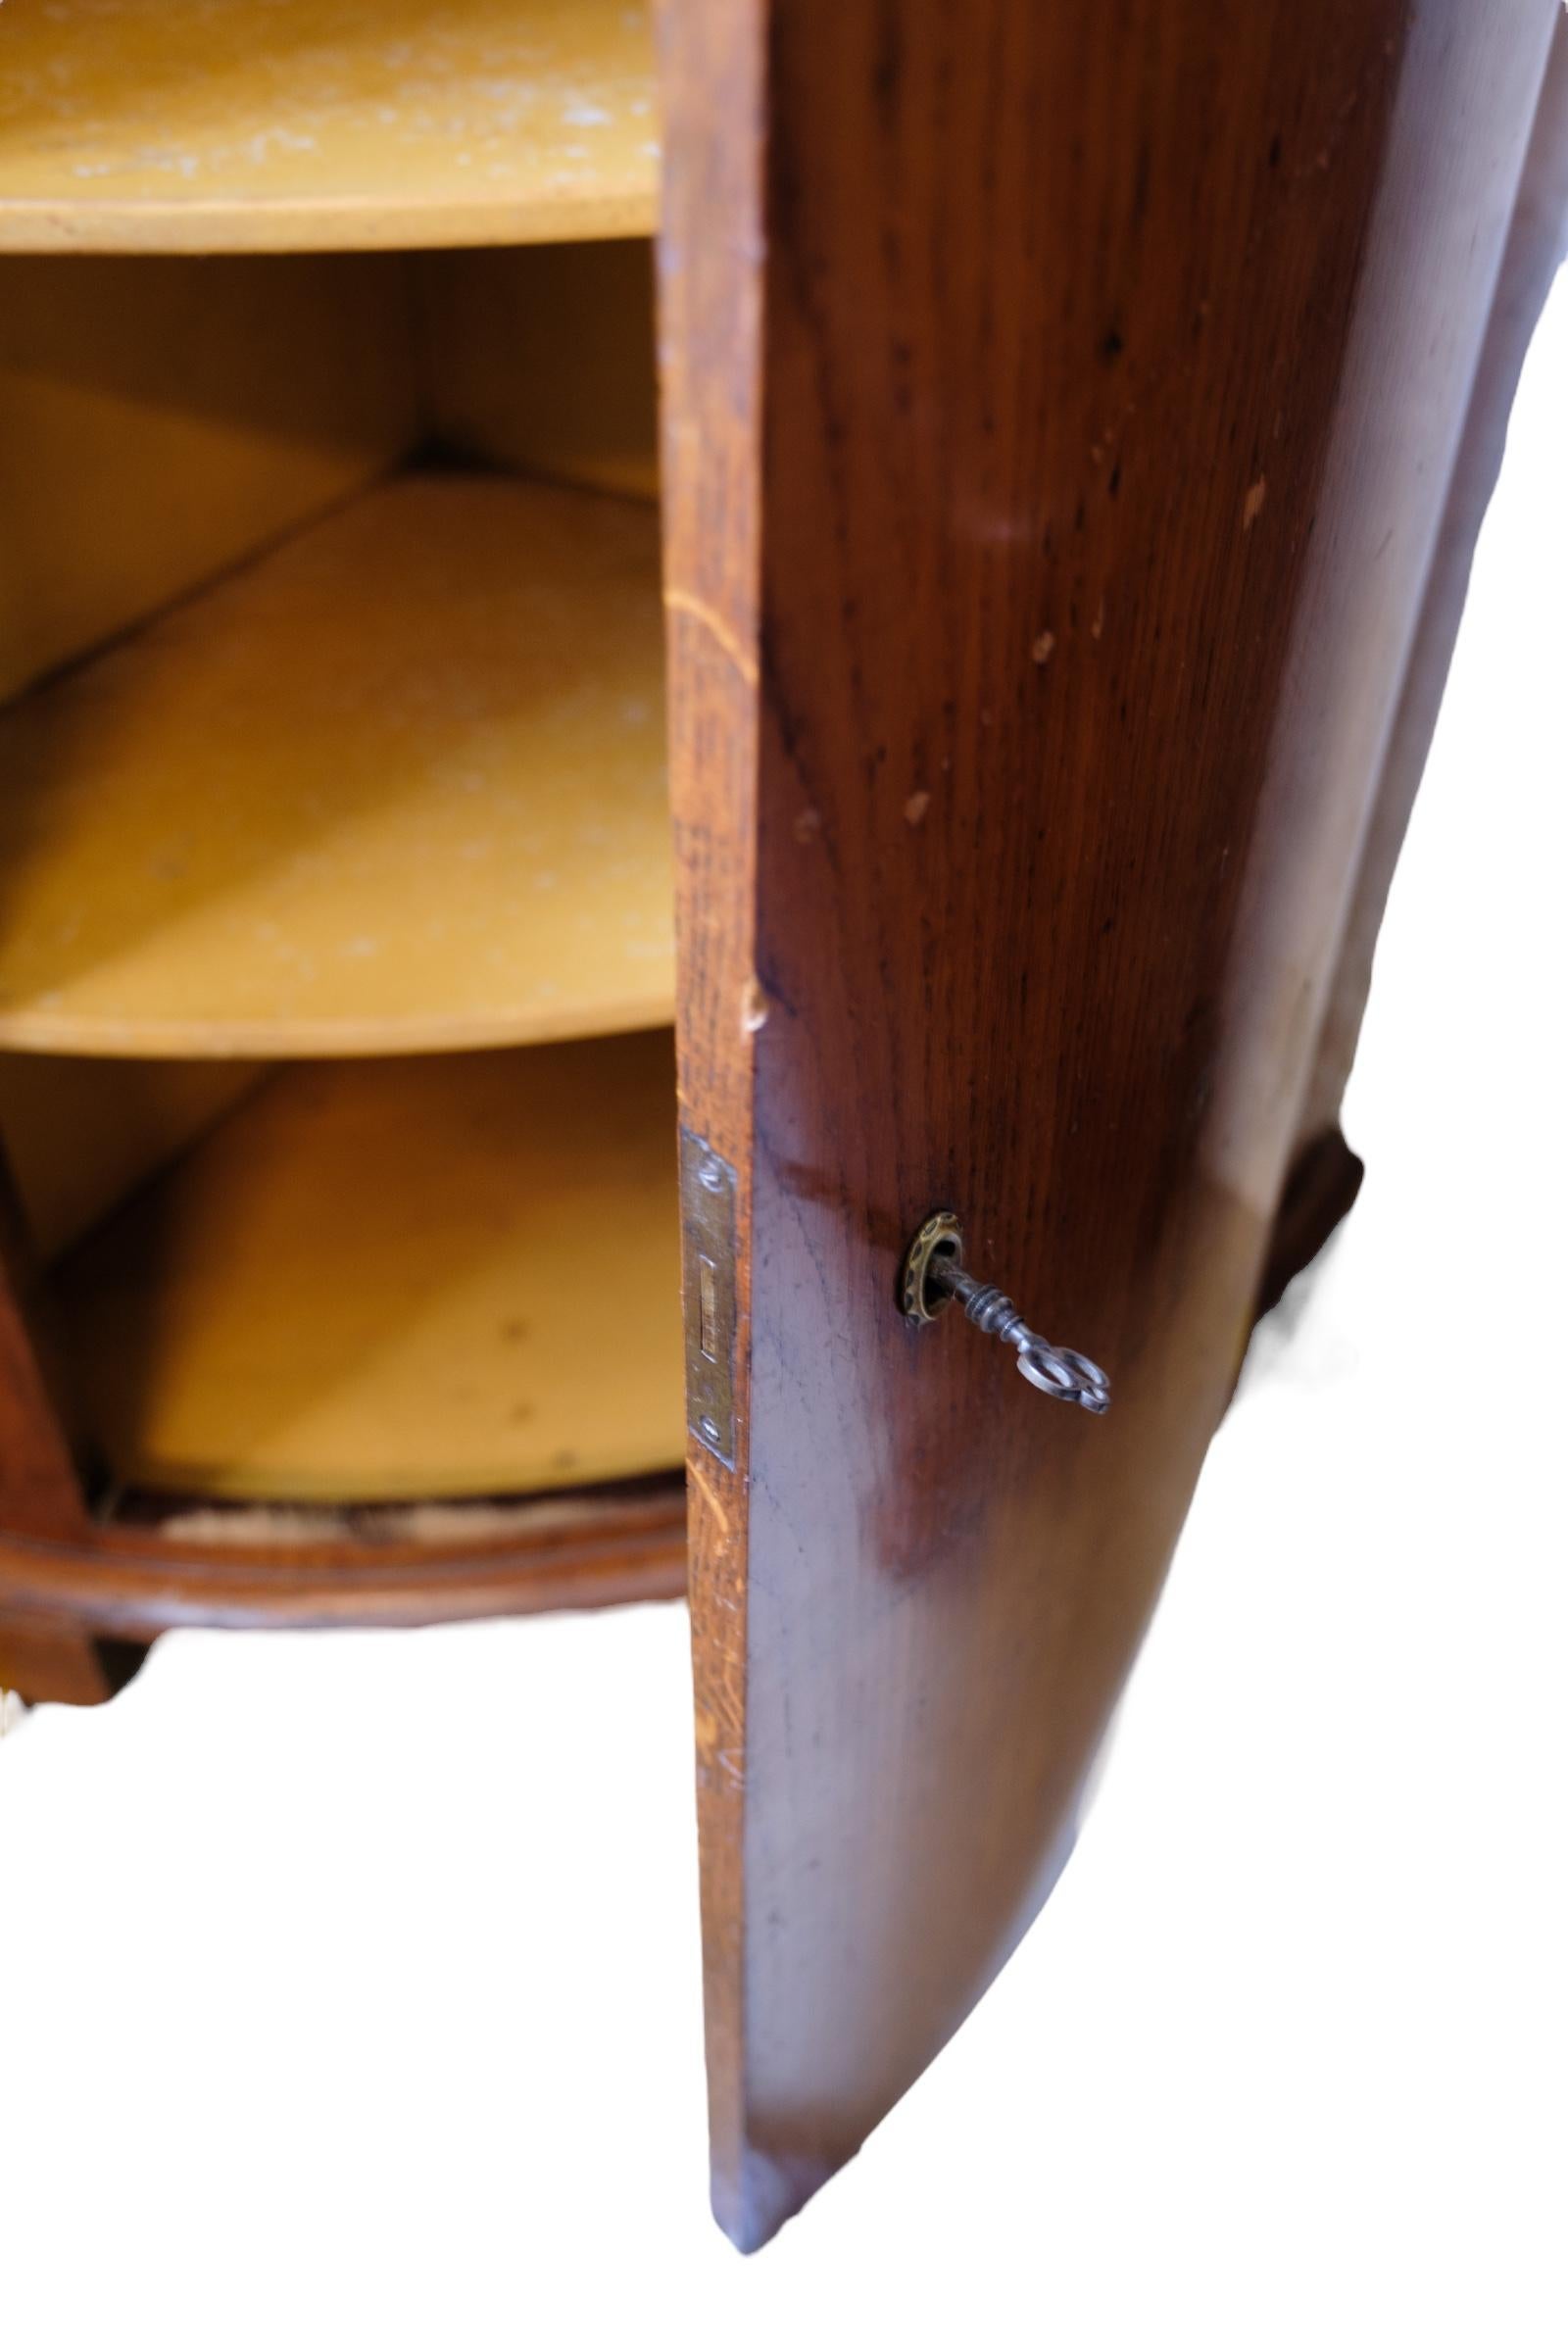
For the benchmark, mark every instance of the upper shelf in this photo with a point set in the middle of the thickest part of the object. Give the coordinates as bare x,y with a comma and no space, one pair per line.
396,786
204,127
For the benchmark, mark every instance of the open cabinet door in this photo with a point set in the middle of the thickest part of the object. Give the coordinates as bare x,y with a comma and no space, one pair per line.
1059,404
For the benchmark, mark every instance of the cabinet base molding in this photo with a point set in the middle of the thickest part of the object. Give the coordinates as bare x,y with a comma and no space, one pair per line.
1319,1192
153,1568
67,1665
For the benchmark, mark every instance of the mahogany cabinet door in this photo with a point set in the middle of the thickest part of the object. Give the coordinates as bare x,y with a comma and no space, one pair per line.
1059,404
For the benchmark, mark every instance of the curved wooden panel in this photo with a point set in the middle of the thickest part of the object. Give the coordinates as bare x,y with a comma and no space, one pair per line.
1059,411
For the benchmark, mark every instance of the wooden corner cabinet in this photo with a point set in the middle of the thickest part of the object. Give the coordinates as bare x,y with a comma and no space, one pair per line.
1022,562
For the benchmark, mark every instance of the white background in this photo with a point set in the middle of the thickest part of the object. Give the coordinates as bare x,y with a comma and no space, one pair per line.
349,1984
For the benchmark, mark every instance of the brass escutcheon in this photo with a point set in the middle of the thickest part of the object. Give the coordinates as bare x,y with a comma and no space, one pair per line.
941,1236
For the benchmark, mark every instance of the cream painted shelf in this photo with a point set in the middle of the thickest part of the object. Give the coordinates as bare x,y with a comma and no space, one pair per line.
206,126
397,785
397,1280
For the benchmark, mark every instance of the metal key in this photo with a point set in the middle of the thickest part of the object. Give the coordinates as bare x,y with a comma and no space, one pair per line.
934,1263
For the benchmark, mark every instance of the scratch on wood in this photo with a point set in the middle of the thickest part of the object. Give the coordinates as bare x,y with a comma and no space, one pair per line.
681,599
1252,505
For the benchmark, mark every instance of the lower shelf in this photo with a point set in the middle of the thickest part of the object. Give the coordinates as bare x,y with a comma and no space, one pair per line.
380,1281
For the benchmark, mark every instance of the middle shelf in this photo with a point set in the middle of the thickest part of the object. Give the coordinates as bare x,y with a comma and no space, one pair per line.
394,786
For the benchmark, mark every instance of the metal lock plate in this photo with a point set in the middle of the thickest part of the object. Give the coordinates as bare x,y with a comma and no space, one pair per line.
708,1286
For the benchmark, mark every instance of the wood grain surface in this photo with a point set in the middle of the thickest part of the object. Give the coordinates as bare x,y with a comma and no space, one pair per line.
1059,404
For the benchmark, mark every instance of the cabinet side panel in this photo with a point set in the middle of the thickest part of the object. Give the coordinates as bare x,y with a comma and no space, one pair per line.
1114,363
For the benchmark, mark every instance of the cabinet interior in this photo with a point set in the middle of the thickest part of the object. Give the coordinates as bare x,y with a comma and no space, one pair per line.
336,934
